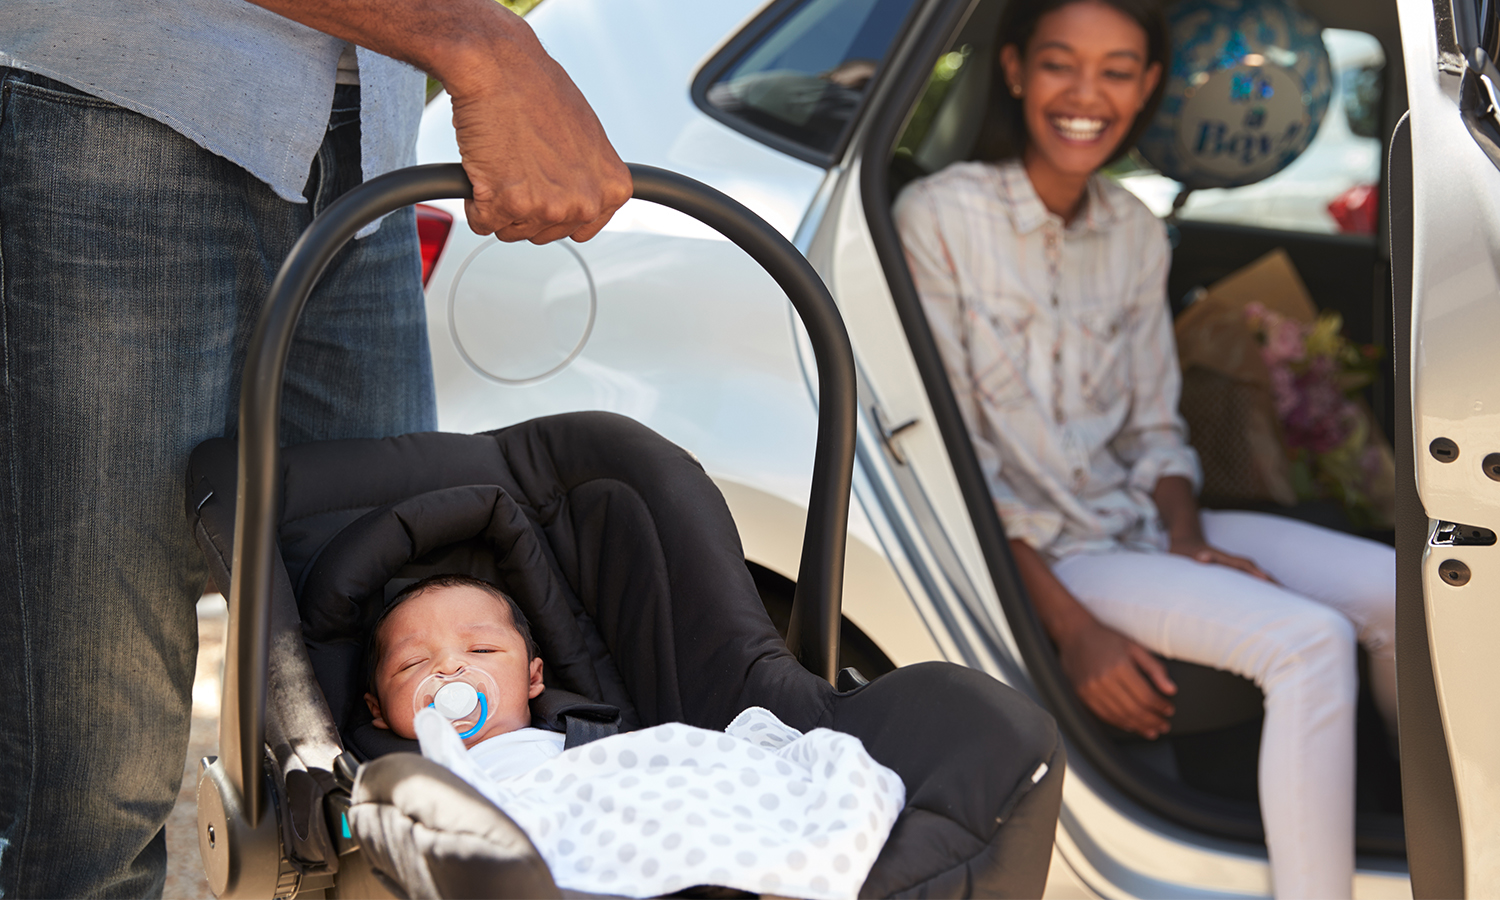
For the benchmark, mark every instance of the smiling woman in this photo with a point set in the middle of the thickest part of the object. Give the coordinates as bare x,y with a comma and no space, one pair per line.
1077,85
1044,285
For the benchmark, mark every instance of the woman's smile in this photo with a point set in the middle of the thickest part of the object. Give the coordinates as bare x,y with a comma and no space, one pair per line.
1079,129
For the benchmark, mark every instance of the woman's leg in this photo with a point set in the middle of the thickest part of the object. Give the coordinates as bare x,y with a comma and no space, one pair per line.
1300,652
1351,574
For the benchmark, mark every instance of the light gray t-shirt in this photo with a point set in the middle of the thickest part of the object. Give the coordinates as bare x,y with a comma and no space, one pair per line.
238,80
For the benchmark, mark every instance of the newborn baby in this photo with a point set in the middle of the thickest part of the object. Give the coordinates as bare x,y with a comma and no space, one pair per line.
461,646
759,806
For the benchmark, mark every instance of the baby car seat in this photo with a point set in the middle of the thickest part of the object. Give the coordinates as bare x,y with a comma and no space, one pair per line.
623,555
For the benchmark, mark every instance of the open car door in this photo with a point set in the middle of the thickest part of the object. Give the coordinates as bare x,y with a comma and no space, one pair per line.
1445,237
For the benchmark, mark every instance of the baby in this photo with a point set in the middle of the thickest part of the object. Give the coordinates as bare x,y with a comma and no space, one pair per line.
461,646
759,806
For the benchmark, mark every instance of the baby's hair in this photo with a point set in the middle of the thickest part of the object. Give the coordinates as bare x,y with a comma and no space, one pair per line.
437,582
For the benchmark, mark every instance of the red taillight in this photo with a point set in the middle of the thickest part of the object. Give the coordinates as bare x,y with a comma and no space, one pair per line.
433,226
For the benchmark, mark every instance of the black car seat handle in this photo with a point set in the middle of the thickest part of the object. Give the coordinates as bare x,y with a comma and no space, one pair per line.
814,631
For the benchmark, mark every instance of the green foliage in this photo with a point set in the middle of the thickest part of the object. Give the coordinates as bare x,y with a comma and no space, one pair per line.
943,73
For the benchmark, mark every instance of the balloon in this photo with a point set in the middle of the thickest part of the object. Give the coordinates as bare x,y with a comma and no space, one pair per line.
1247,89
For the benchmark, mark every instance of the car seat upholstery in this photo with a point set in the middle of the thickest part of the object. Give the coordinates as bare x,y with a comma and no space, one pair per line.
625,559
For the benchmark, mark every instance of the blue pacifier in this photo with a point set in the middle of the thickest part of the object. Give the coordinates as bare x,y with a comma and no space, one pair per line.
462,698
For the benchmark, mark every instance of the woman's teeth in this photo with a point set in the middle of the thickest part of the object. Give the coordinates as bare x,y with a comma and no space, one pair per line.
1076,128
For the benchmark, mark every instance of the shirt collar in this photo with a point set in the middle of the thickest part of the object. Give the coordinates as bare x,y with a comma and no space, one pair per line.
1027,213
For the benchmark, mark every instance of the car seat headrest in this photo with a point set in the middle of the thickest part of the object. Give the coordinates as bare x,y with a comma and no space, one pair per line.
345,589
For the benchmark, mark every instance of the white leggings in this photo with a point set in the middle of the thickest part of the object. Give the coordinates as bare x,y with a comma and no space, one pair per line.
1295,640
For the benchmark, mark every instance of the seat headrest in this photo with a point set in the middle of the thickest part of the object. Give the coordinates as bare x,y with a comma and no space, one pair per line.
477,530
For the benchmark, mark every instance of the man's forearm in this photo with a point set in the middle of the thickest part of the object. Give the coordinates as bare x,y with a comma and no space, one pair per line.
451,40
537,157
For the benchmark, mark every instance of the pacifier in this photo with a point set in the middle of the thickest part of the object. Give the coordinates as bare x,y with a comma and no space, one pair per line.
462,697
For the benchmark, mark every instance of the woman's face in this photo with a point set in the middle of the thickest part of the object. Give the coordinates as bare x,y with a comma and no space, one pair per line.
1083,79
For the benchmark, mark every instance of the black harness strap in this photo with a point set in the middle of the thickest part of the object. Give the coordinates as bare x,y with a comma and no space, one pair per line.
581,730
581,719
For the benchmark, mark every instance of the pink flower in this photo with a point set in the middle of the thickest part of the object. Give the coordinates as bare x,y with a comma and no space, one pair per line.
1285,341
1283,390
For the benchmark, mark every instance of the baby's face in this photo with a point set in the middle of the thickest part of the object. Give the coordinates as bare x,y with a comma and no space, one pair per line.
440,631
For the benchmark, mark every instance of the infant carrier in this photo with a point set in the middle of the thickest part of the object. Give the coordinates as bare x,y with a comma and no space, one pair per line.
624,557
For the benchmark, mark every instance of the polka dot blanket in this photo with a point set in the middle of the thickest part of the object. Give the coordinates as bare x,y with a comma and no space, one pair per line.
760,807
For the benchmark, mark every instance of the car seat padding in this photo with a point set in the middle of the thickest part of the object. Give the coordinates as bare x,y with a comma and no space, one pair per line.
433,835
646,567
593,502
344,588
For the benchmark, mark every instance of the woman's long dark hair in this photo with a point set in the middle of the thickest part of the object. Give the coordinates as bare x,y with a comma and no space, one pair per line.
1004,133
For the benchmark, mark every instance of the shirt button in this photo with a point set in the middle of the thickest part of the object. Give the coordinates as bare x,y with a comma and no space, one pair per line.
1058,415
1054,299
1057,356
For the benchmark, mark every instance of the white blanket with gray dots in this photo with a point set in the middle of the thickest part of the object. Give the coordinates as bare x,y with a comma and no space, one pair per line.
760,807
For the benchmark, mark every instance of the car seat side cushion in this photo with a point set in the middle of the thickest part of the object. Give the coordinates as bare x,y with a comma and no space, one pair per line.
929,855
424,829
937,725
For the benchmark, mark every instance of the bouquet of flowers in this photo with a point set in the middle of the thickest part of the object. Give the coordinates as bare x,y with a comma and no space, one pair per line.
1334,449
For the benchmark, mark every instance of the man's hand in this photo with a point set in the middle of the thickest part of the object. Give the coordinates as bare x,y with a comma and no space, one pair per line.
1204,552
1118,679
541,165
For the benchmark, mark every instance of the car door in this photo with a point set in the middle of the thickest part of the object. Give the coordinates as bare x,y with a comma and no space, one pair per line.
1445,236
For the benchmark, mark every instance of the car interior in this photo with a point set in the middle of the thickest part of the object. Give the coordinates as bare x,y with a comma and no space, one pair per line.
1203,773
925,106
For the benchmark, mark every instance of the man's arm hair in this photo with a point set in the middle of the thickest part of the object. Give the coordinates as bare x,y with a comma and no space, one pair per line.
541,165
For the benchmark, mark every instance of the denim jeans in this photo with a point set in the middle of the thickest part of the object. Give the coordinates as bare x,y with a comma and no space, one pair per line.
133,265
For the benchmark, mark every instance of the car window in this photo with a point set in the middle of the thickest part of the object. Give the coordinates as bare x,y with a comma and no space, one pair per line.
1333,187
803,79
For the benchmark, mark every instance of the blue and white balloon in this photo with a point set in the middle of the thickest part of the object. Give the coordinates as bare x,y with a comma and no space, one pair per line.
1247,89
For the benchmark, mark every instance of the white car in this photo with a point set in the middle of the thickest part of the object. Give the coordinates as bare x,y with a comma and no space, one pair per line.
813,113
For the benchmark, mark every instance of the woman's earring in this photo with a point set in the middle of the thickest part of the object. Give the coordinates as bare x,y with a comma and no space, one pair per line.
1015,90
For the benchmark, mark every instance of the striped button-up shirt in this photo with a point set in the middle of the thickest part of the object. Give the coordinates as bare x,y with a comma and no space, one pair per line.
1057,339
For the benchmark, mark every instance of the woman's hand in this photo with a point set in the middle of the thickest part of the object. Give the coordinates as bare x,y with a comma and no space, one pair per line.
1120,681
1203,552
1179,513
1116,678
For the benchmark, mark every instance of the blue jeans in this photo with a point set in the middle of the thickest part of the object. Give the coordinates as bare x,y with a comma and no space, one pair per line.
133,265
